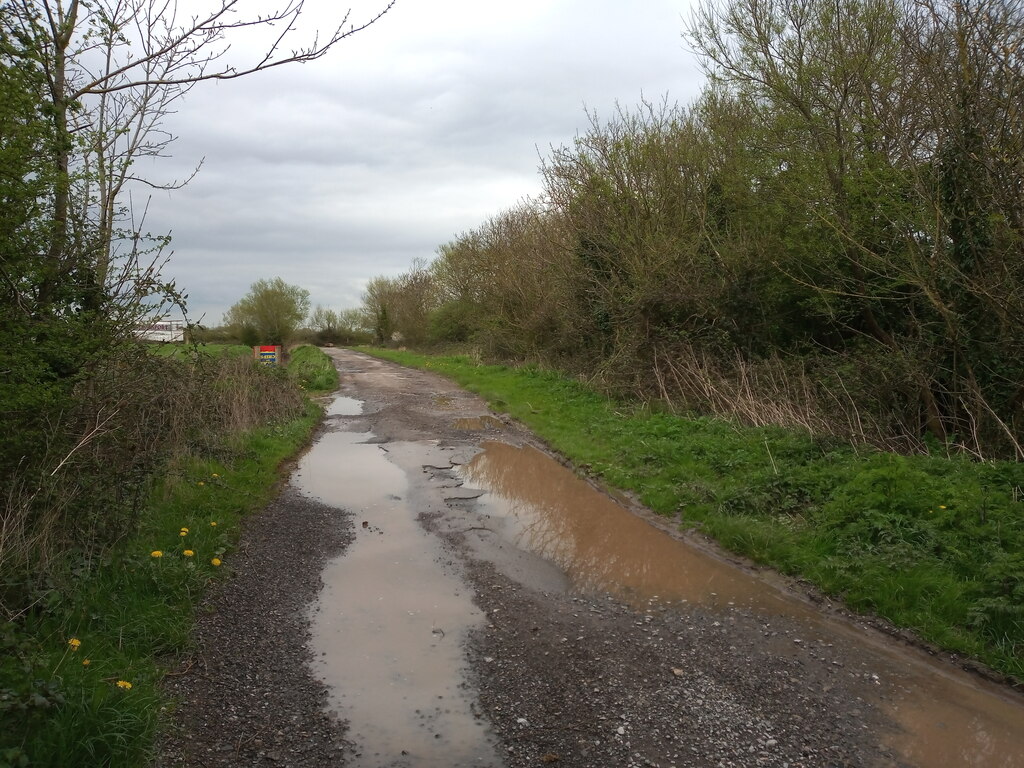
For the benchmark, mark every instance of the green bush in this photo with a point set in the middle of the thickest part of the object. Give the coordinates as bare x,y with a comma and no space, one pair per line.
453,323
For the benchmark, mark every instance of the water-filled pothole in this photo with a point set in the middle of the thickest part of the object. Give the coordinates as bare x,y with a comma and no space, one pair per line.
389,623
947,717
541,506
345,406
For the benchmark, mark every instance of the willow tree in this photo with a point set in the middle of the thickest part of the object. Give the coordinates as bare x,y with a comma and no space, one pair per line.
270,313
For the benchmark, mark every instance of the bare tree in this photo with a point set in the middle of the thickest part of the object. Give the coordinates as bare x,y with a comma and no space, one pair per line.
113,68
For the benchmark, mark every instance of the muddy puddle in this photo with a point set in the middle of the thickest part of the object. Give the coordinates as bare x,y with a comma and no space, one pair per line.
389,624
539,505
946,717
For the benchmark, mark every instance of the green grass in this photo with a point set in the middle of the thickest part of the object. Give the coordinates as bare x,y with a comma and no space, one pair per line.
931,543
130,613
186,350
313,370
307,365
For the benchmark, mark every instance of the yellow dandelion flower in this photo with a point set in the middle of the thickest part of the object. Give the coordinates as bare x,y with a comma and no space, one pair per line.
215,561
184,529
124,684
156,553
183,533
942,506
74,642
213,523
86,662
214,475
188,553
200,483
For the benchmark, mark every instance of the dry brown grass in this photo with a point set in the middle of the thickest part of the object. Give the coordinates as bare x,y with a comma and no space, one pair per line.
772,392
131,416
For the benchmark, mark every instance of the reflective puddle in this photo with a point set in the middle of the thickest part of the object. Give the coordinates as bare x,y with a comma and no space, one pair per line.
948,717
542,507
345,406
389,624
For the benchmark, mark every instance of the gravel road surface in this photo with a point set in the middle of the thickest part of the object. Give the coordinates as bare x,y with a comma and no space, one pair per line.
558,677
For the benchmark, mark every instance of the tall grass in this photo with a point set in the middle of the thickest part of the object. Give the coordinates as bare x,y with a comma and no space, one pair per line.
312,369
130,613
932,543
101,586
132,414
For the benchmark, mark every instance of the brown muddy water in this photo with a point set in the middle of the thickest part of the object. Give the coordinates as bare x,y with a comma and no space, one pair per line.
389,624
946,717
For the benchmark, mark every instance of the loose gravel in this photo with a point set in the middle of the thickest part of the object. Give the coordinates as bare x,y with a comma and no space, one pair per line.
246,696
569,680
590,682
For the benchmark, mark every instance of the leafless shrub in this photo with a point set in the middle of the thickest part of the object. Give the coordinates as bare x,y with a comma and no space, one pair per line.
135,414
809,395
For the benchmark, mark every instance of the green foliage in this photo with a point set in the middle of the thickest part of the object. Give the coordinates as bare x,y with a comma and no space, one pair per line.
453,322
928,542
312,369
250,336
270,313
810,243
130,610
25,137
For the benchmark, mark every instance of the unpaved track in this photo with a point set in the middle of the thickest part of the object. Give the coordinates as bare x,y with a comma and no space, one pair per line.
562,679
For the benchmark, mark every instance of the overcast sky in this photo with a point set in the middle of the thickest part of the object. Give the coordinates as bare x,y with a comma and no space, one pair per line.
408,133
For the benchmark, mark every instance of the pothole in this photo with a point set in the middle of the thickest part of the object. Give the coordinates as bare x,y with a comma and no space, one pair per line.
479,423
345,406
946,716
389,624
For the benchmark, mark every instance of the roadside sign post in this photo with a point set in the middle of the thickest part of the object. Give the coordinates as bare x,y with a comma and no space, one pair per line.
267,354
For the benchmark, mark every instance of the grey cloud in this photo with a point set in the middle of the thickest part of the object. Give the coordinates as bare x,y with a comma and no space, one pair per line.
411,132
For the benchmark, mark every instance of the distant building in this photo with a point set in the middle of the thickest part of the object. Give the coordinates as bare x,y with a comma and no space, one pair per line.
161,330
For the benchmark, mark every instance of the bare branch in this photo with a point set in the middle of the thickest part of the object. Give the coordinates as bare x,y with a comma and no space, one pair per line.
187,43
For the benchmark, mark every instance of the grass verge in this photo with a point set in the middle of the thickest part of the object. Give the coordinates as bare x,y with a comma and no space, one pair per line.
313,370
184,351
930,543
80,669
